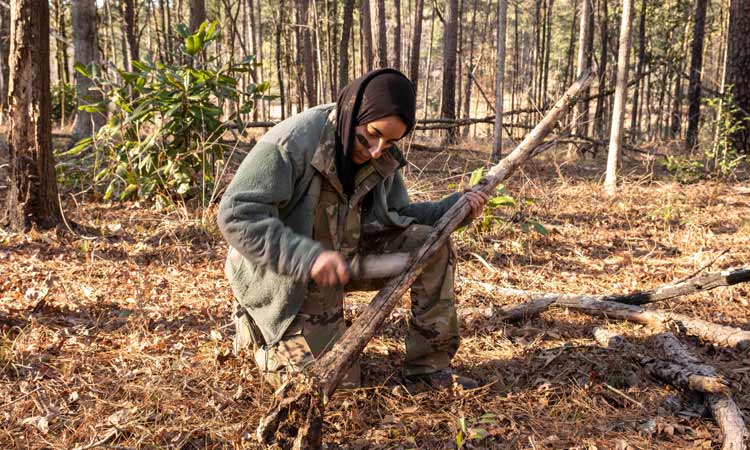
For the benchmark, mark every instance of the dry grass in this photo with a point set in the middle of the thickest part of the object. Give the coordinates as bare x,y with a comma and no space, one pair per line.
130,346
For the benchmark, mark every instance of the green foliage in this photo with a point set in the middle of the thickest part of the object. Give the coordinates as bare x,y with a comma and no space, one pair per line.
63,100
474,430
502,199
721,160
162,140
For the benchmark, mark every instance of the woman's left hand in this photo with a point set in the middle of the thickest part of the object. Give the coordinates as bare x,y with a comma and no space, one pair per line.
477,200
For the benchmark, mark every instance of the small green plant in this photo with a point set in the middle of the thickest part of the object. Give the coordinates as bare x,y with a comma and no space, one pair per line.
63,98
474,430
163,138
720,159
502,199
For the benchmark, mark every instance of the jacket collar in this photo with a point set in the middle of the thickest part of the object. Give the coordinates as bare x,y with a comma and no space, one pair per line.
325,162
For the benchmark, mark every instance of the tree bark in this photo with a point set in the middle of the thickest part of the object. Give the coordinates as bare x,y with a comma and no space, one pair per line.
450,47
86,49
679,373
634,122
131,29
4,55
470,69
737,74
415,43
596,305
197,14
279,61
306,394
599,126
497,141
583,63
397,62
32,196
343,45
618,110
365,24
379,36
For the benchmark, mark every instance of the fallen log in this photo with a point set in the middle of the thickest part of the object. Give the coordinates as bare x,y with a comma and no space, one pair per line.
595,305
723,408
684,366
296,415
676,372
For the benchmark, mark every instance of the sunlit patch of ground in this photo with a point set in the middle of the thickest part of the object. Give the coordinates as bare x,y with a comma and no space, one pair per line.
129,346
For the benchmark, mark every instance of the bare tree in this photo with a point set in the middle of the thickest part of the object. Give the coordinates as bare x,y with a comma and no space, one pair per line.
583,63
696,66
4,51
618,109
346,30
599,126
32,193
131,28
86,52
379,33
397,35
450,47
637,91
497,142
366,28
416,42
737,73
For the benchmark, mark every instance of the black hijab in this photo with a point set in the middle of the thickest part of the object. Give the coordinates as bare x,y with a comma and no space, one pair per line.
380,93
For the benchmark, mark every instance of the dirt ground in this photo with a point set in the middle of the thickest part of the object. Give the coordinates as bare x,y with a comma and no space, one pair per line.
124,342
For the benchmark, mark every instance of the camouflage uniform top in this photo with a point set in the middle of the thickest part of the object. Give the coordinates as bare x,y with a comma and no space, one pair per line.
268,211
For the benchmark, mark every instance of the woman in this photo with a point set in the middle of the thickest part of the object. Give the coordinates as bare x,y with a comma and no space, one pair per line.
317,189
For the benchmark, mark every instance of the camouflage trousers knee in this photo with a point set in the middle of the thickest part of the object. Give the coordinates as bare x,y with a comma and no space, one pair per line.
432,338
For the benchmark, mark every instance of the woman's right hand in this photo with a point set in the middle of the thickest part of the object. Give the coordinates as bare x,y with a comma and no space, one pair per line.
330,269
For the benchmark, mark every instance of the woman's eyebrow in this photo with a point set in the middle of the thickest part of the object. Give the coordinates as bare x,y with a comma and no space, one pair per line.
380,133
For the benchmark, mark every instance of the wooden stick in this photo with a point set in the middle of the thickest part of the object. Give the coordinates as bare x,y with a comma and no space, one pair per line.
298,405
595,305
723,407
677,372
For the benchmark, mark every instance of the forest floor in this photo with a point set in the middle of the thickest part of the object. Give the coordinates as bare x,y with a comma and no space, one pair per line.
124,341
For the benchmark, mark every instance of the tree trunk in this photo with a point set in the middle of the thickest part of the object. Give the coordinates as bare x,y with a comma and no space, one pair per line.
197,14
32,196
131,28
378,30
599,126
279,61
450,47
571,43
397,36
416,40
86,49
737,73
4,54
470,69
696,66
583,63
309,60
634,123
618,109
497,142
366,28
346,30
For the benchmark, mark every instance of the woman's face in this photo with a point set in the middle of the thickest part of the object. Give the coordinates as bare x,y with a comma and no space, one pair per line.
372,138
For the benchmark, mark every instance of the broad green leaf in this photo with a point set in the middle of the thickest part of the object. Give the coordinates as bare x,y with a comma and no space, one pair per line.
110,190
80,68
79,147
540,228
193,44
128,190
476,176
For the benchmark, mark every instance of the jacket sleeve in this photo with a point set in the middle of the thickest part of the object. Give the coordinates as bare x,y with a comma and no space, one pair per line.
248,214
424,213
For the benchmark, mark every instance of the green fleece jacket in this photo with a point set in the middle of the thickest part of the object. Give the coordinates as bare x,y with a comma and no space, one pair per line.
268,210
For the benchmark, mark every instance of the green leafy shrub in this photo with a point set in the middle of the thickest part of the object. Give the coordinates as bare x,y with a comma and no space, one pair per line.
163,138
63,100
721,159
502,199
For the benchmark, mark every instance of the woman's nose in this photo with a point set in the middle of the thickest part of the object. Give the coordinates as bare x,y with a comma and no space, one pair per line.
377,150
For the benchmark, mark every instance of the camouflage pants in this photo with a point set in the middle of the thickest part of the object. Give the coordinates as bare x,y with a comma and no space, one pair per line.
432,338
